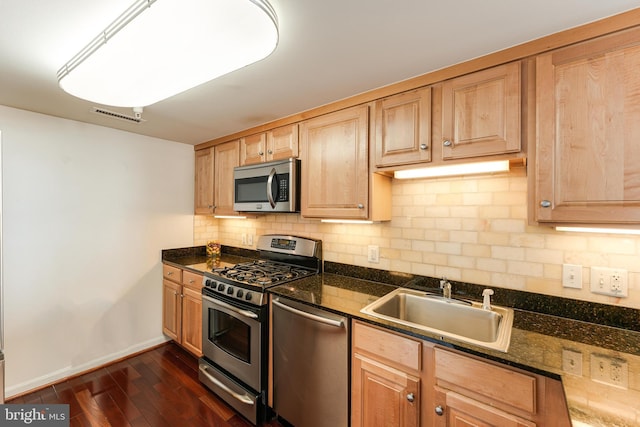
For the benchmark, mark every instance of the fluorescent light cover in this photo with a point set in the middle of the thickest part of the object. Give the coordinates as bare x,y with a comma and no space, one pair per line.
450,170
600,230
157,49
346,221
229,217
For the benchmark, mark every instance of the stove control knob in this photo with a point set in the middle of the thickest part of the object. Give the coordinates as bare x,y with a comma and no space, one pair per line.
207,283
221,287
240,294
230,290
248,296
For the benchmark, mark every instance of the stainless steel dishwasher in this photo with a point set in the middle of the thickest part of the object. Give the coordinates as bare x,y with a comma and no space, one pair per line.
310,365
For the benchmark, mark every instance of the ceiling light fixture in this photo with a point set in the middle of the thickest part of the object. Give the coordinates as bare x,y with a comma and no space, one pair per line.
157,49
452,170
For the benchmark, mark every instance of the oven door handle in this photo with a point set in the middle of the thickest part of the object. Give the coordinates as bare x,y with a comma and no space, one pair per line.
272,175
241,397
330,322
245,313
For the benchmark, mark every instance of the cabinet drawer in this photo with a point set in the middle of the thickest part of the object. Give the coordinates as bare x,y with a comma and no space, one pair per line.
497,383
192,280
397,349
171,273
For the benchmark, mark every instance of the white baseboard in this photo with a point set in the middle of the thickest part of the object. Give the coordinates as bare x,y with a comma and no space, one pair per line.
61,374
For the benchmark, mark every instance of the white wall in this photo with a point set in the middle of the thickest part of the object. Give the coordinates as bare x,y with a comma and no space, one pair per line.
87,210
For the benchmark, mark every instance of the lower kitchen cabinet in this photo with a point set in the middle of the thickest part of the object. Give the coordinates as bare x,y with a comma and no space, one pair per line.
398,380
478,392
385,378
182,308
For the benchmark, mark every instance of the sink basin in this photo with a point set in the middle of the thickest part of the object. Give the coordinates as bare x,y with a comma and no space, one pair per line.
461,320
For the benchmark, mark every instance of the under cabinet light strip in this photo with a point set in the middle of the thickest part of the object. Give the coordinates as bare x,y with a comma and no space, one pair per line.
346,221
600,230
452,170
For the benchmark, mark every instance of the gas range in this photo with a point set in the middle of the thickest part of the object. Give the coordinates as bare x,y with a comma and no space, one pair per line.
282,259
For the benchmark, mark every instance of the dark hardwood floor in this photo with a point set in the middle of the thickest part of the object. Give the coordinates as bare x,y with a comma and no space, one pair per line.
157,388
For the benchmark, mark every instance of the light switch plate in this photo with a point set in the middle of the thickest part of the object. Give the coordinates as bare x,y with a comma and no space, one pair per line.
572,362
373,253
572,276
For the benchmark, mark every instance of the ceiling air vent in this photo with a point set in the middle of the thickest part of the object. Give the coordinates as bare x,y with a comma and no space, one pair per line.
136,118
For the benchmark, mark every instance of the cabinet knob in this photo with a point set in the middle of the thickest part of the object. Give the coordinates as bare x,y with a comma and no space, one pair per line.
261,153
439,411
545,204
192,281
360,206
411,397
175,293
170,273
270,151
423,146
446,143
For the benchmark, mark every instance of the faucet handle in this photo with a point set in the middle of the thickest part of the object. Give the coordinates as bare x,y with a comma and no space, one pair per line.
486,299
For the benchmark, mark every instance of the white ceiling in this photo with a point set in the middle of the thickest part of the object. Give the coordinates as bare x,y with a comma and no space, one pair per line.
328,50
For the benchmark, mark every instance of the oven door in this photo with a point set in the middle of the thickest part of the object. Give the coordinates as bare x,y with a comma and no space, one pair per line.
233,338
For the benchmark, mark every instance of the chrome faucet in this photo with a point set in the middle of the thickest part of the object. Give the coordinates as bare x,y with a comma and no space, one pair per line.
445,285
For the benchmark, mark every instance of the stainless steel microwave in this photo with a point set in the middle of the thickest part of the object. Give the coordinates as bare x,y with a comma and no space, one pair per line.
267,187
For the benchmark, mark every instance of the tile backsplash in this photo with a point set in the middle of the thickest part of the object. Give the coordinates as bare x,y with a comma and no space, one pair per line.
471,229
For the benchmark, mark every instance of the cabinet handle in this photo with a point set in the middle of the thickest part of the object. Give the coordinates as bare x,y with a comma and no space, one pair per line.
439,411
175,293
360,206
410,397
423,146
446,143
170,273
545,204
191,281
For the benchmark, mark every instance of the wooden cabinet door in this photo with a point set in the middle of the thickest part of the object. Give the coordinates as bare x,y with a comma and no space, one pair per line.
455,410
282,142
204,181
192,321
383,396
335,165
253,149
481,113
588,124
403,128
172,310
227,157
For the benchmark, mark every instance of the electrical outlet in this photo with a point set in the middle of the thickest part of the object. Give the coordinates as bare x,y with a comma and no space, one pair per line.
572,276
373,253
572,362
609,281
610,370
244,239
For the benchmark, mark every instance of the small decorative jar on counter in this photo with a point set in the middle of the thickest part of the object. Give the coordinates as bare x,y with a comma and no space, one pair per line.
213,249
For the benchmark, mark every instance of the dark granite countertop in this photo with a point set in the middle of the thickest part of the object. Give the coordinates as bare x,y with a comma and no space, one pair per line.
538,340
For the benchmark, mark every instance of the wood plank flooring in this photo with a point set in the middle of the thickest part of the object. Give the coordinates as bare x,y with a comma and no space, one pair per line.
158,388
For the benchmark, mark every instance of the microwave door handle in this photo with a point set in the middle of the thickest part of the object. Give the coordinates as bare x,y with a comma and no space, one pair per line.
272,176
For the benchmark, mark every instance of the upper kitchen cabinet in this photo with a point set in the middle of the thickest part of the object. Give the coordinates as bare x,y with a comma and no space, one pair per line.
403,128
276,144
481,113
204,181
336,182
214,178
227,157
587,166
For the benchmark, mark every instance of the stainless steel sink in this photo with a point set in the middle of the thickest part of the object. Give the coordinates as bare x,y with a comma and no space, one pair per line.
464,321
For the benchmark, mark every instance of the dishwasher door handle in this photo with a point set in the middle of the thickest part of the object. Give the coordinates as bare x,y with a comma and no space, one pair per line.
330,322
